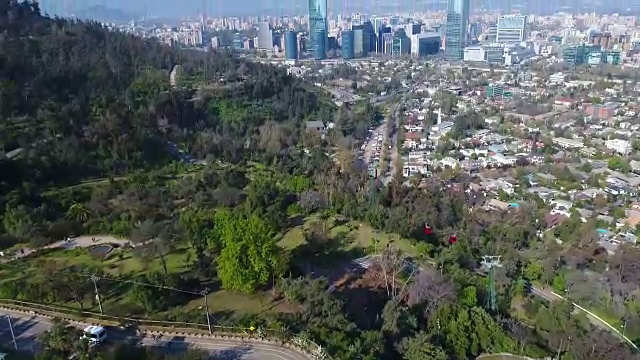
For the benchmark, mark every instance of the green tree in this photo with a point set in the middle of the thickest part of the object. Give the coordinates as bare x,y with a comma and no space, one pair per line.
197,226
469,297
78,212
420,347
533,271
619,164
250,256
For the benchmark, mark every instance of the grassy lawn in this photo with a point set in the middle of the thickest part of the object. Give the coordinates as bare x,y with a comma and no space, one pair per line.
121,262
357,235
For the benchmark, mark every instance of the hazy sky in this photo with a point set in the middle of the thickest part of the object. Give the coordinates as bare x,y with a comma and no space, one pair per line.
182,8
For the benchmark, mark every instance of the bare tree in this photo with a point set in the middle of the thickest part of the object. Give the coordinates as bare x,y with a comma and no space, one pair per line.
596,345
392,264
430,289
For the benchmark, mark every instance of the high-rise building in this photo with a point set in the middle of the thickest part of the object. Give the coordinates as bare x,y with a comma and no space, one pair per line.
425,44
511,29
318,28
265,36
368,38
290,45
382,33
238,42
358,40
348,44
456,29
401,43
357,19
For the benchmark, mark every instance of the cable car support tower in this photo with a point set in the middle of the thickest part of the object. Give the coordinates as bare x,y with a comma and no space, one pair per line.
490,262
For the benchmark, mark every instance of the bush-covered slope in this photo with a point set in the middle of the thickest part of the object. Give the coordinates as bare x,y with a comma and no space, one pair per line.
82,101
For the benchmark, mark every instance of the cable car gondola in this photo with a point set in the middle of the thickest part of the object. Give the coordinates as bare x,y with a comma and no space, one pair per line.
428,230
453,239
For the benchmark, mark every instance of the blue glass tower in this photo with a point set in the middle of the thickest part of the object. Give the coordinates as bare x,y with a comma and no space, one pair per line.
318,28
290,45
456,29
348,44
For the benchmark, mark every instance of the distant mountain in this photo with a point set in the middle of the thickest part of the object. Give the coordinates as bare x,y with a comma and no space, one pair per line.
104,14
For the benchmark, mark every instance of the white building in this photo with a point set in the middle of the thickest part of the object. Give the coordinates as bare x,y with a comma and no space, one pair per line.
474,53
265,36
511,29
557,78
567,143
622,147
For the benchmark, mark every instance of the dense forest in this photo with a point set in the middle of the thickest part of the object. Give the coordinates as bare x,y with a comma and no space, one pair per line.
97,140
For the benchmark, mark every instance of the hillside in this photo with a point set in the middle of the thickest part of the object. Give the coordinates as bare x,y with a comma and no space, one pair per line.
81,102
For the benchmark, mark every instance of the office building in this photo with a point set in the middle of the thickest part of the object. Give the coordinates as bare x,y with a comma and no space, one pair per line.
348,44
493,91
368,38
386,46
238,42
401,44
291,45
425,44
492,33
575,55
357,19
456,29
511,29
475,30
412,29
358,41
265,36
383,33
318,28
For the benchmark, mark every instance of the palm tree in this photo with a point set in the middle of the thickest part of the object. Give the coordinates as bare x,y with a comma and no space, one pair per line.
78,212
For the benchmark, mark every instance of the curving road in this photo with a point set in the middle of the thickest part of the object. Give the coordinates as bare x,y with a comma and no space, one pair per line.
27,327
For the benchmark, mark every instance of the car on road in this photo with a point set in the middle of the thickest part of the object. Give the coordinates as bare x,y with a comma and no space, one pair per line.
95,334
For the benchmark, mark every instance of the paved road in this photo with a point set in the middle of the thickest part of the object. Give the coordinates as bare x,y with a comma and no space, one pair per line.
395,117
79,242
27,328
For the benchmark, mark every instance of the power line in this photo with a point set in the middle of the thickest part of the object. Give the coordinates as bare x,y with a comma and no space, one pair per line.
122,281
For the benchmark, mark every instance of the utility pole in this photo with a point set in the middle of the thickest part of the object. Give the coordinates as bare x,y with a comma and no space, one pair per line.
559,350
206,307
13,335
624,325
491,262
95,287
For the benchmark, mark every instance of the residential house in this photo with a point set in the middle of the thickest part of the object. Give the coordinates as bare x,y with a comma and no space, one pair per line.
315,125
495,204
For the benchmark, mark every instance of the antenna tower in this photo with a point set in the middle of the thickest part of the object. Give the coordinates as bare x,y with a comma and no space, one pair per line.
490,262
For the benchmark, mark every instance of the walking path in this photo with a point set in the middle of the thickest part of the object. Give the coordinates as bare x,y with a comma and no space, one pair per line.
74,243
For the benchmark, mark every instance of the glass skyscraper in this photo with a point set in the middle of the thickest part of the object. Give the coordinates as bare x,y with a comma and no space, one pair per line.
456,29
290,45
318,28
348,44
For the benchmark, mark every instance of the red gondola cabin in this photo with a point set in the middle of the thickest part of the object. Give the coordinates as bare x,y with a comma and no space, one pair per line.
427,229
453,239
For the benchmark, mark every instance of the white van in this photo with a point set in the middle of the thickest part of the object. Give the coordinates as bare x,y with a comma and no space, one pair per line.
95,334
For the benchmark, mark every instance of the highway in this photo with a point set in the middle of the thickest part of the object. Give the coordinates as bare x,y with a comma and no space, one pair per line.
27,328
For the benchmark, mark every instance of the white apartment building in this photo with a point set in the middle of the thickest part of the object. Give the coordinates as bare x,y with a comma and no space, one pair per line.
622,147
567,143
